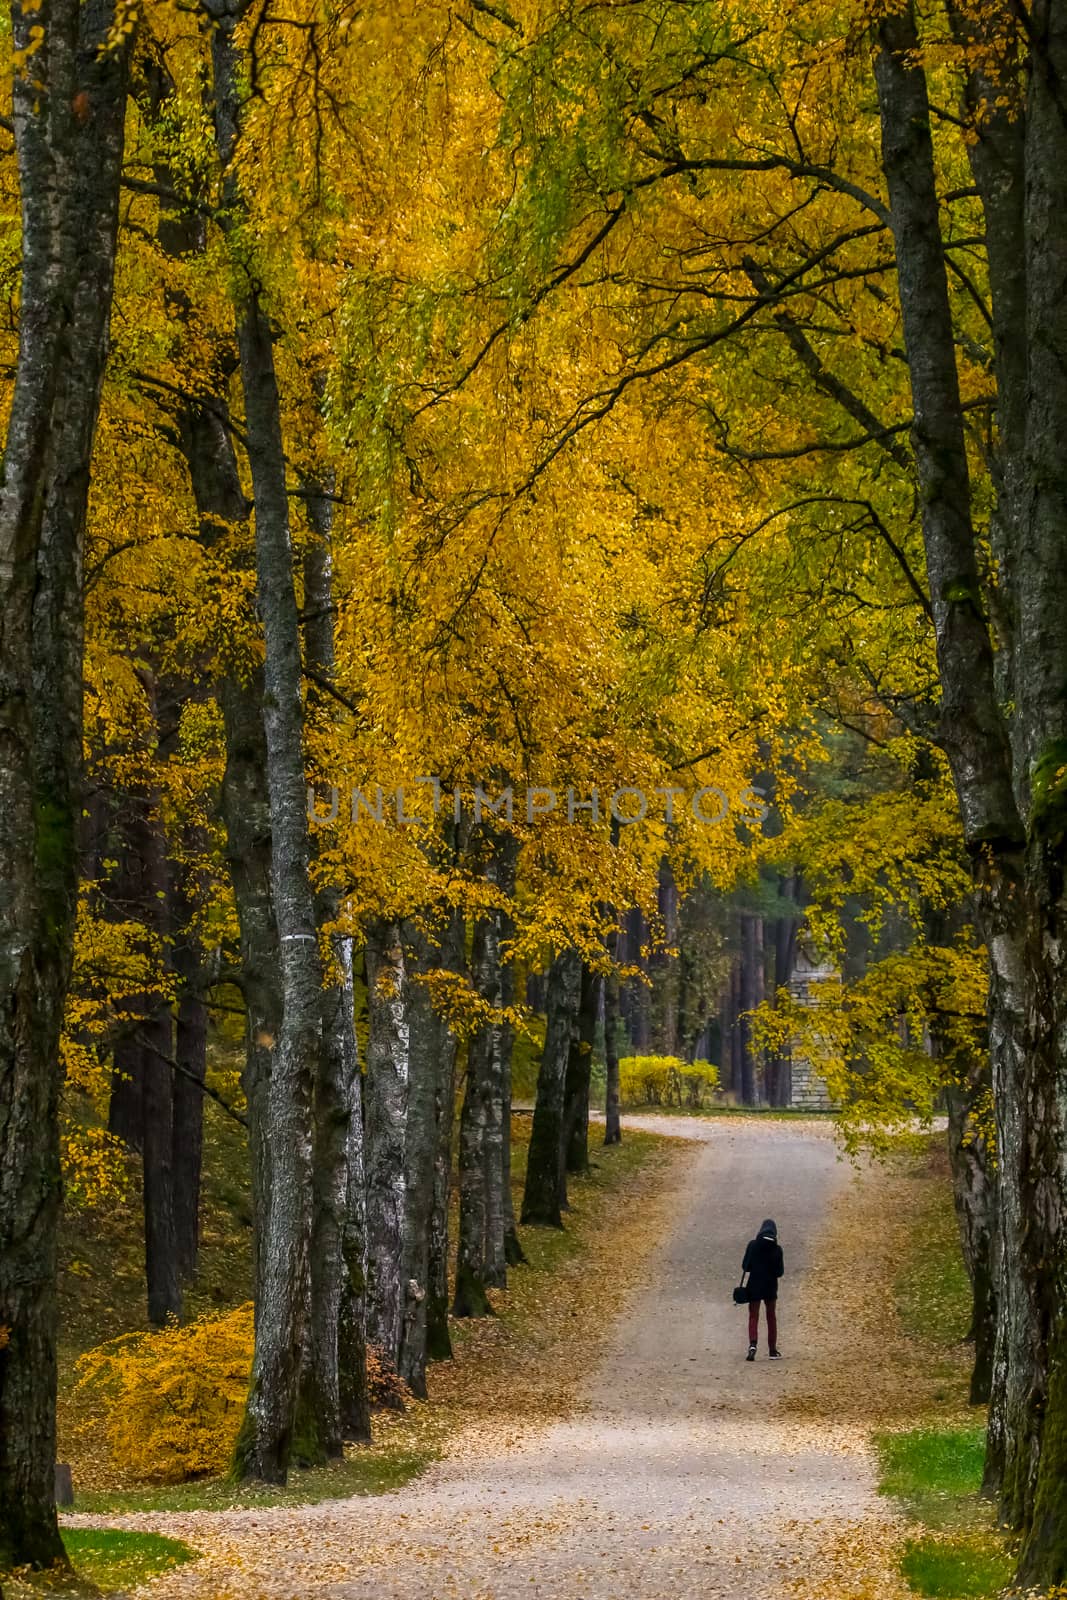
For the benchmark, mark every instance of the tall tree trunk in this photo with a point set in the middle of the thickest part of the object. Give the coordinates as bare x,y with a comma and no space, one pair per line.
545,1177
579,1075
354,1392
438,1338
69,168
485,1122
432,1057
387,1091
267,1431
514,1254
975,740
337,1067
480,1246
206,438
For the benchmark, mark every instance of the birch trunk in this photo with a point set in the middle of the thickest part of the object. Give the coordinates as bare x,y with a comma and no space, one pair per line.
69,171
545,1178
387,1090
433,1053
322,1426
485,1214
266,1437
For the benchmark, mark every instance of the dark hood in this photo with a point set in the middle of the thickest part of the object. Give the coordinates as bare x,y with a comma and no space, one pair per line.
768,1229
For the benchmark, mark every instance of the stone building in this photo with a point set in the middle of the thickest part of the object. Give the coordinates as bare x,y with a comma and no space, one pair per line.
808,1091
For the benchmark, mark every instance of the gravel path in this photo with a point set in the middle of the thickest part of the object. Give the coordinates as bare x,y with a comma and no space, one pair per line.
685,1471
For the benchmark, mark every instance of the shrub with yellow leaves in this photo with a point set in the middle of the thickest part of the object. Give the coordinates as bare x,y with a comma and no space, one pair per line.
174,1397
666,1081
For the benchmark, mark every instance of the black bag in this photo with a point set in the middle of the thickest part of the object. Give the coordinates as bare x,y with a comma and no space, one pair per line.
742,1295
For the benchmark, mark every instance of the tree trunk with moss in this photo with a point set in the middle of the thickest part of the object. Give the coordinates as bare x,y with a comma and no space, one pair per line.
69,168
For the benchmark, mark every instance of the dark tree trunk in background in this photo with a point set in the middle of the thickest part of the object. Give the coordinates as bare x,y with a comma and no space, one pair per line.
386,1140
155,1036
737,1035
786,924
640,995
190,1049
545,1178
69,172
667,965
579,1076
751,996
612,1122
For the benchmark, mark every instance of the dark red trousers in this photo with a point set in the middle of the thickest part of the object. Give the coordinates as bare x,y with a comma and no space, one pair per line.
771,1307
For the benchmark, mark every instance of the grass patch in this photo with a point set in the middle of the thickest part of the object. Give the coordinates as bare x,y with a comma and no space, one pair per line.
115,1558
371,1469
935,1472
965,1567
106,1561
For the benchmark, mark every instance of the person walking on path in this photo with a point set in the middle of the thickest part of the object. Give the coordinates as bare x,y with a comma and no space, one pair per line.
764,1264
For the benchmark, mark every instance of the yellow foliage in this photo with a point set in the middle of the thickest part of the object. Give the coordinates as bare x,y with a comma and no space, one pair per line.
666,1081
175,1396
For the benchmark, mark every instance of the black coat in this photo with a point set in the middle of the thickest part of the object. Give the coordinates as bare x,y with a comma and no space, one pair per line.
764,1264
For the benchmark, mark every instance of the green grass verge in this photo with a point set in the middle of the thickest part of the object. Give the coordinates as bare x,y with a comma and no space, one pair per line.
112,1559
374,1469
935,1472
965,1567
104,1561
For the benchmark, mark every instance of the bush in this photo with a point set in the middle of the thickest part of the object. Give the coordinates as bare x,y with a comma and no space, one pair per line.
174,1399
666,1081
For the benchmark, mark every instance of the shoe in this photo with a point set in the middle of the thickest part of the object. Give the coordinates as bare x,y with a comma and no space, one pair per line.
751,1353
776,1355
